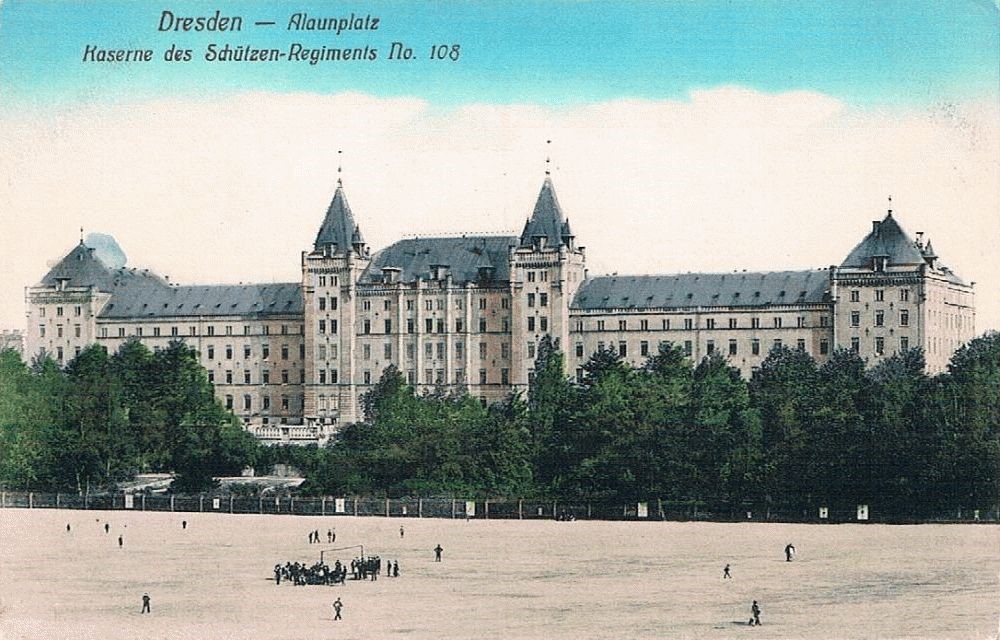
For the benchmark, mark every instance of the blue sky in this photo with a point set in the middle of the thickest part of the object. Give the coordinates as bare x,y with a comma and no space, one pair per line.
553,53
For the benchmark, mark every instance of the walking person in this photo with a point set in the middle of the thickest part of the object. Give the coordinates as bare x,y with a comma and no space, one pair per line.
145,604
107,528
755,610
337,606
401,532
789,552
121,542
395,569
437,553
725,573
184,524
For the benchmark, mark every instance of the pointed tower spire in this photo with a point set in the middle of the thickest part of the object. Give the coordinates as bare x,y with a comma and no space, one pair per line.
339,232
546,222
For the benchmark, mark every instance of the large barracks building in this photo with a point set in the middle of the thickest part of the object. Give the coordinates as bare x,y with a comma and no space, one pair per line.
293,359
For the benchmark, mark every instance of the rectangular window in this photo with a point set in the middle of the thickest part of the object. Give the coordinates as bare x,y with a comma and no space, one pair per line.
666,324
193,331
59,311
579,349
543,299
333,304
409,305
800,322
600,325
366,350
777,322
710,323
211,352
531,323
755,323
504,351
904,295
879,318
856,345
904,343
531,276
173,331
505,376
824,347
644,325
265,376
429,305
644,348
322,303
322,376
246,403
211,377
755,347
855,296
368,377
284,376
387,351
211,330
688,348
531,350
459,326
410,325
265,352
429,349
505,325
440,350
904,318
482,303
264,330
482,325
824,321
440,326
800,344
777,343
388,326
482,350
322,326
284,352
229,402
229,329
429,325
531,299
459,350
879,295
138,331
246,351
855,318
879,345
333,326
246,376
622,348
367,305
732,323
411,351
688,323
543,323
387,305
265,402
366,326
623,325
284,403
482,376
77,330
710,347
333,376
732,347
229,377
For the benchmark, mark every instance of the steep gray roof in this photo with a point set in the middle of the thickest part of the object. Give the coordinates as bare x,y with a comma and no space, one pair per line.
338,226
205,300
463,256
547,218
703,290
889,240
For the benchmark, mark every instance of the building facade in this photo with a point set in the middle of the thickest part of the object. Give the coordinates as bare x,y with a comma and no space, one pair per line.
468,312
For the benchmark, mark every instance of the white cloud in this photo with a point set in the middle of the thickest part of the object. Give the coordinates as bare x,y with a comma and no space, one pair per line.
233,189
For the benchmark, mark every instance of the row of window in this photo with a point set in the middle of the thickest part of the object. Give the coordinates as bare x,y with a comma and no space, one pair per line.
777,322
430,348
77,331
209,331
904,344
904,318
77,311
904,295
431,325
265,351
430,304
711,346
265,377
265,403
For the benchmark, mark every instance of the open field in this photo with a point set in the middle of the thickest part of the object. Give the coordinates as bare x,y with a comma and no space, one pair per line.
499,579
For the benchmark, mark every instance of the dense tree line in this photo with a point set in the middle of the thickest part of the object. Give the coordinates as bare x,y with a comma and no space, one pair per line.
798,435
105,418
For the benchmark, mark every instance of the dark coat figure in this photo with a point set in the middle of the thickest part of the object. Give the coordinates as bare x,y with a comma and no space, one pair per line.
67,528
337,606
277,574
401,532
107,528
145,604
121,542
334,532
395,569
789,552
329,535
755,610
725,573
437,553
184,524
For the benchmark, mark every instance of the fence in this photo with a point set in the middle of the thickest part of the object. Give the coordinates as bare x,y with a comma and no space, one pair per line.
498,508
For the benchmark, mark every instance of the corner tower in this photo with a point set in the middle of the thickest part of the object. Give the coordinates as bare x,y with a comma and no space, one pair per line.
892,293
330,274
546,269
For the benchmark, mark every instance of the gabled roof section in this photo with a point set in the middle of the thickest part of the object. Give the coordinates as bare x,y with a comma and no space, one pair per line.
339,227
80,268
205,300
547,218
703,290
887,239
464,256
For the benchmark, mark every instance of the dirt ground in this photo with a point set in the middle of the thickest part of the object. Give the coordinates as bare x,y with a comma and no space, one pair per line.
498,579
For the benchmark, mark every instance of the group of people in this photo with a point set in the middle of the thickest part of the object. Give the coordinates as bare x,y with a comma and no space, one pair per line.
300,574
331,536
755,607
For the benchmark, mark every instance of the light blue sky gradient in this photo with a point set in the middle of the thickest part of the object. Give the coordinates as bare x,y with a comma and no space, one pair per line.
897,53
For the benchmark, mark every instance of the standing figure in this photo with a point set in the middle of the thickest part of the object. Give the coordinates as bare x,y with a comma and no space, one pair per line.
184,524
755,610
789,552
329,535
725,573
334,532
401,532
107,528
67,527
337,606
121,542
145,604
437,553
395,569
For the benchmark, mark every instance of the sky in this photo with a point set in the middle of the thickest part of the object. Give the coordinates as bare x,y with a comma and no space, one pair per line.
685,136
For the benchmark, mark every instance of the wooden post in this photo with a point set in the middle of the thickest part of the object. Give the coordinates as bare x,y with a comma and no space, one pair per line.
520,509
486,509
355,506
291,504
31,500
3,499
322,506
452,508
553,510
171,502
57,500
420,507
230,503
588,511
144,502
201,503
387,507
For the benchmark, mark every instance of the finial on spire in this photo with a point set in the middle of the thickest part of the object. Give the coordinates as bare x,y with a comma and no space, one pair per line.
890,204
547,158
340,182
81,235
